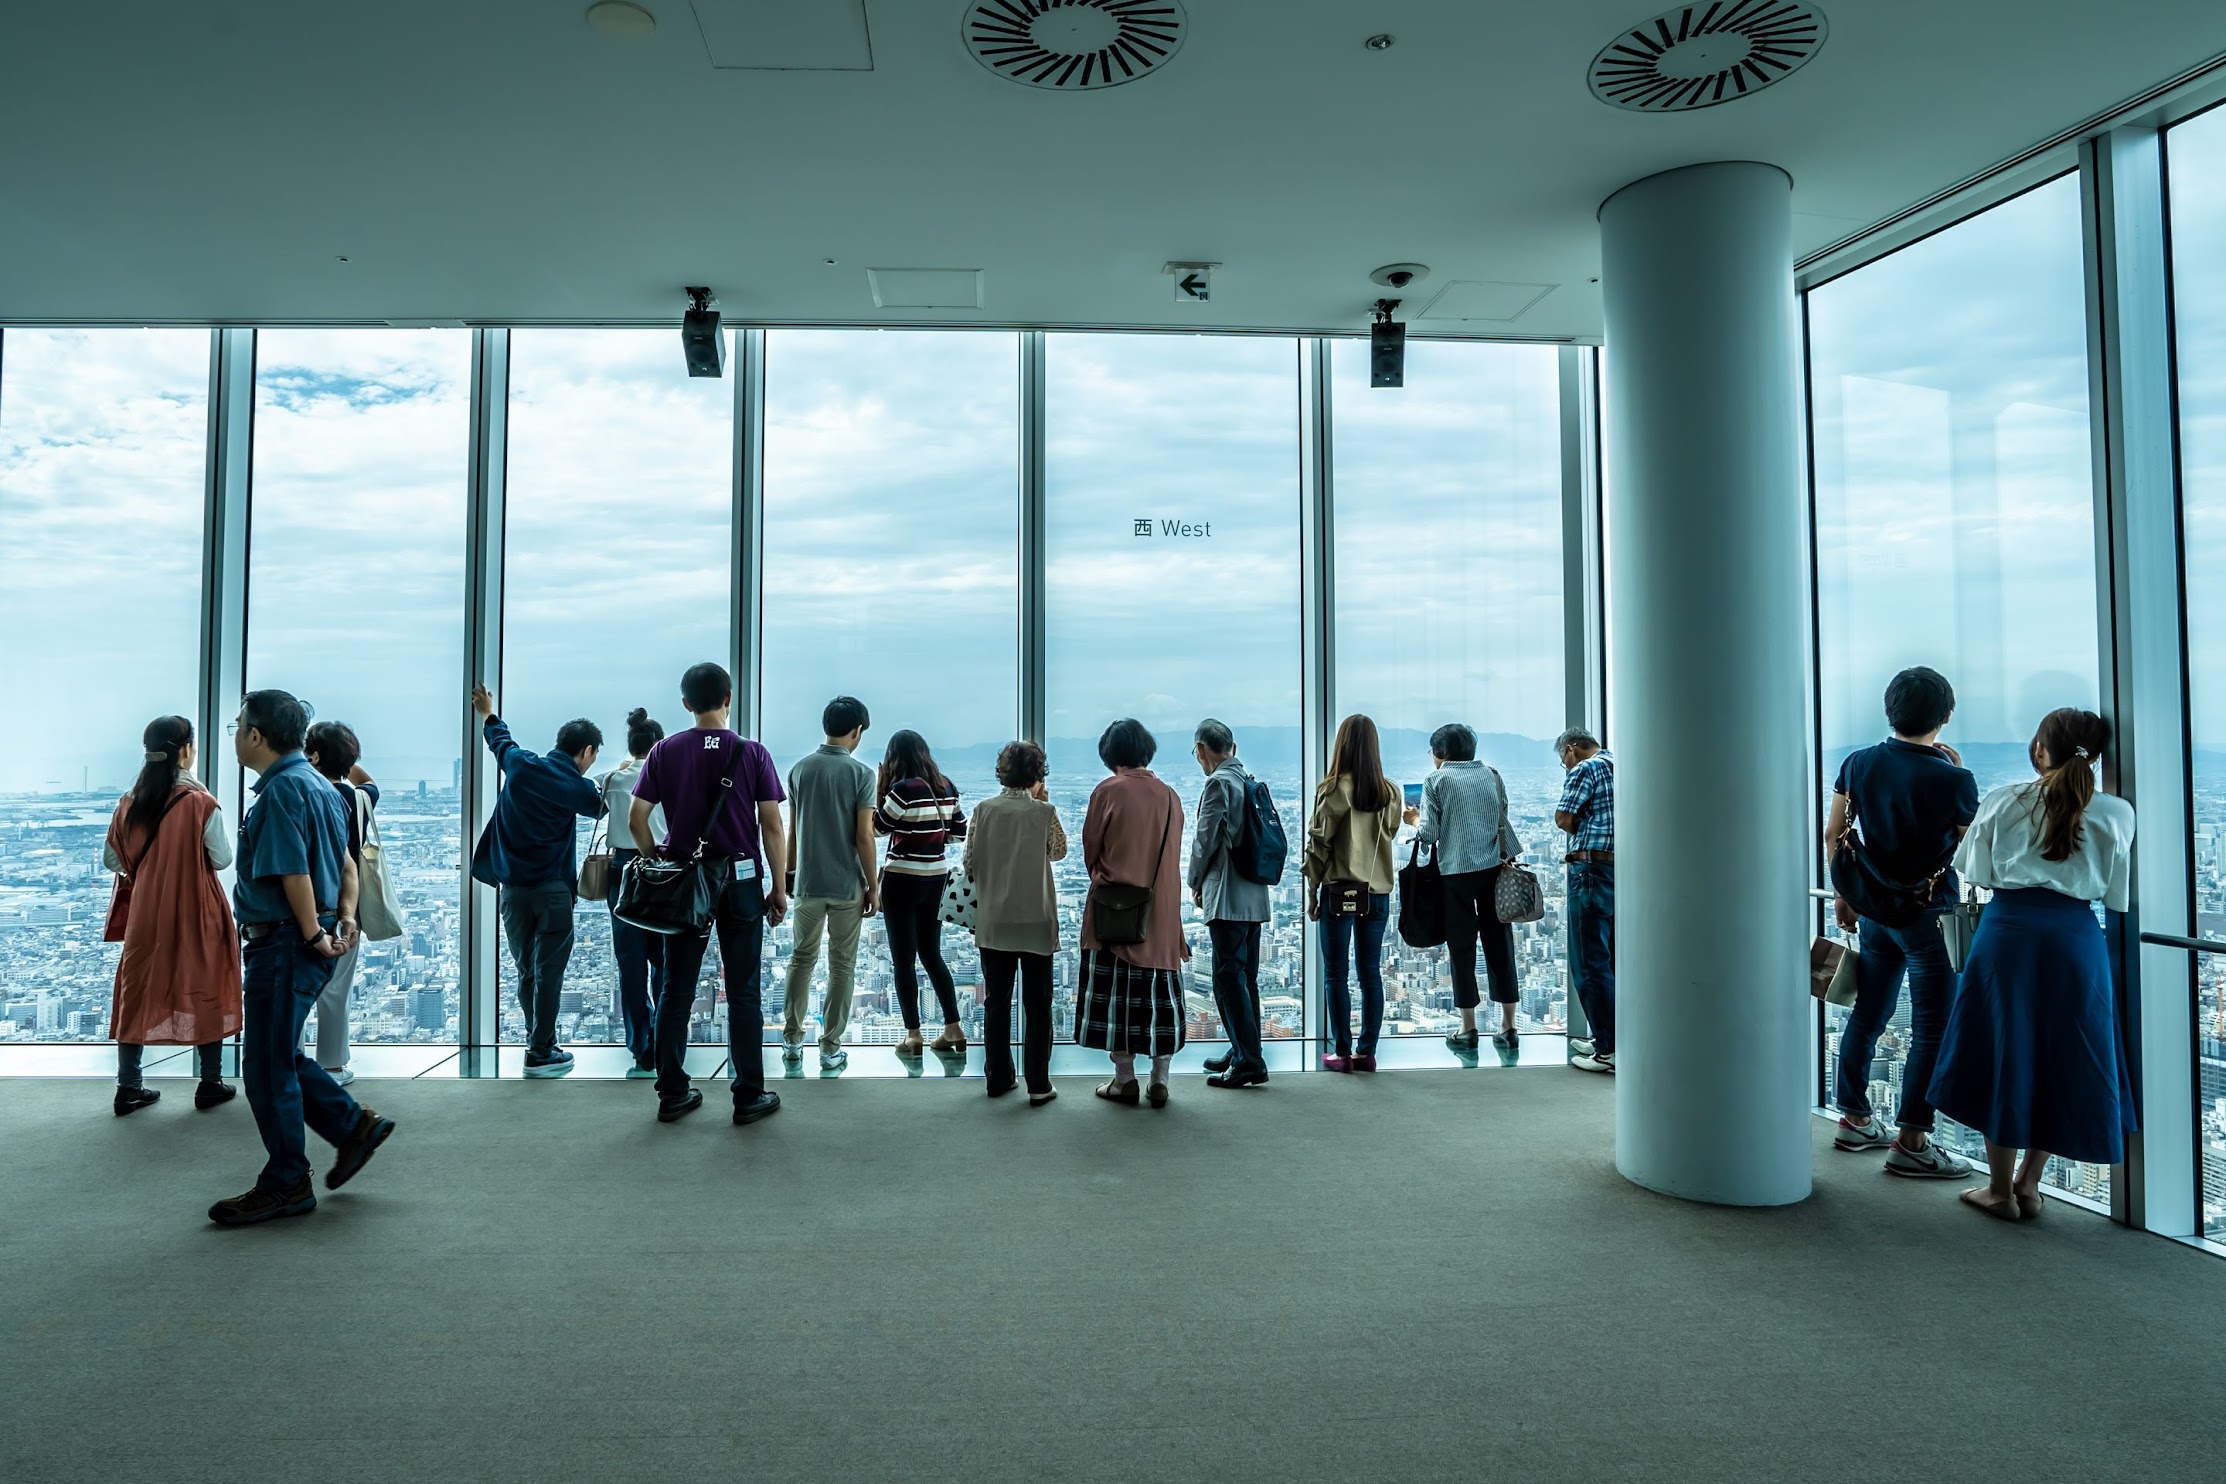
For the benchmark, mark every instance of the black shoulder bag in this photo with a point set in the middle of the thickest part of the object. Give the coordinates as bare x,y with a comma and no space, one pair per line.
678,898
1872,893
1421,900
1120,914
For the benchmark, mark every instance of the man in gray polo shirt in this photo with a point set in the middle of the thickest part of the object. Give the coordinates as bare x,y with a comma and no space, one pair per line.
830,863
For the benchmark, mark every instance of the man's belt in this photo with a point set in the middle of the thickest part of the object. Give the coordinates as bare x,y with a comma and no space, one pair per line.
1591,857
256,932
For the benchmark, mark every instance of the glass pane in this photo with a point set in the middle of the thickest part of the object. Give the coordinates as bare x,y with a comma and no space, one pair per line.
356,605
618,542
892,574
1172,531
1454,475
2198,165
102,437
1954,507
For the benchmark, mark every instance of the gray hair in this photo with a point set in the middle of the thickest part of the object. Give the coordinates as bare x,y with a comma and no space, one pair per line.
1575,737
1215,737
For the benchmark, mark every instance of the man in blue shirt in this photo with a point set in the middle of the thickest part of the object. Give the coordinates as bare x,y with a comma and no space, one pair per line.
1586,813
527,850
295,898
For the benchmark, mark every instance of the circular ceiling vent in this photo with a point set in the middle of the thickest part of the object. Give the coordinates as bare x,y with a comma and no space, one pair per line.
1700,55
1070,45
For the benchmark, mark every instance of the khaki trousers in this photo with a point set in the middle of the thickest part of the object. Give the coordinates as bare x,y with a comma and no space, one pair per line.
840,921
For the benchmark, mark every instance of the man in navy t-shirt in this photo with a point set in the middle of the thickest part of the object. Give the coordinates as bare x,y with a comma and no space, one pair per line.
1910,799
685,774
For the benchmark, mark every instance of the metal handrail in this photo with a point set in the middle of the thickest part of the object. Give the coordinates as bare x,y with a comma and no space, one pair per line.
2193,945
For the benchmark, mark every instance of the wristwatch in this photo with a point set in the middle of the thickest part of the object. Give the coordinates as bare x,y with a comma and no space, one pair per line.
321,935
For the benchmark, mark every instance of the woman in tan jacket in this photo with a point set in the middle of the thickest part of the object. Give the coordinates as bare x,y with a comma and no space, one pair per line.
1348,881
1010,845
1130,1000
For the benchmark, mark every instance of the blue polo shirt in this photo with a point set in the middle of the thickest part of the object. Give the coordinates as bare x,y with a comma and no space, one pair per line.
297,825
1910,803
530,840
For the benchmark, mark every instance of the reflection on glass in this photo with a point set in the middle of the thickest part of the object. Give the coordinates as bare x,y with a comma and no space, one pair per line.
1449,593
356,604
101,470
891,574
2198,172
1172,551
1954,508
618,544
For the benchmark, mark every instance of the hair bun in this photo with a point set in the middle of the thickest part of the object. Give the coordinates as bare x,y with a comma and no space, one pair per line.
637,716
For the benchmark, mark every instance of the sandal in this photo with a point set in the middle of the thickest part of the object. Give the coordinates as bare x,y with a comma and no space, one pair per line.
1156,1094
1975,1198
1120,1092
909,1046
956,1045
2029,1207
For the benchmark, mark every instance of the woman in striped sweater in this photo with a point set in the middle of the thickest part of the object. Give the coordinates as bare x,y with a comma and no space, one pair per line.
916,807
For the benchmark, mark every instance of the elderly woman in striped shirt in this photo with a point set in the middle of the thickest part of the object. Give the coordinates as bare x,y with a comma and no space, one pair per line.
917,808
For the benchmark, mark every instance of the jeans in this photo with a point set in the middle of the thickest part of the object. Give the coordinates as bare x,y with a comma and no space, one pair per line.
1886,955
839,922
739,920
1339,937
911,914
1034,969
1236,990
537,920
1471,915
208,1060
641,972
332,1010
280,979
1592,948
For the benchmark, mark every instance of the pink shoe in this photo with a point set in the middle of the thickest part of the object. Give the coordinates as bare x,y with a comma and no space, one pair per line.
1364,1064
1337,1064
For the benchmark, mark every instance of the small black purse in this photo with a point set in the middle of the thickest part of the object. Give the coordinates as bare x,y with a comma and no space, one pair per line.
1121,915
1343,899
678,898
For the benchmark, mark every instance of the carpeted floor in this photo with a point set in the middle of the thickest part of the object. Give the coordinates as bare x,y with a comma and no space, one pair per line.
1424,1275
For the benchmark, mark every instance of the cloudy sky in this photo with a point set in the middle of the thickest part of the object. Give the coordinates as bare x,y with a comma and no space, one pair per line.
1953,495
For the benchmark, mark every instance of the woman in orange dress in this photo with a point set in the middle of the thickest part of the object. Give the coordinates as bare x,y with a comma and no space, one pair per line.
178,978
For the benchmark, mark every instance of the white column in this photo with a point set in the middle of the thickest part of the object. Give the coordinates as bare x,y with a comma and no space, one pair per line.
1708,633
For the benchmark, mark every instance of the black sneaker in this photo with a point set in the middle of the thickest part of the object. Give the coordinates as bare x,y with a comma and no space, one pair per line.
554,1062
213,1095
1508,1039
132,1099
260,1205
672,1110
764,1105
356,1150
1238,1078
1462,1040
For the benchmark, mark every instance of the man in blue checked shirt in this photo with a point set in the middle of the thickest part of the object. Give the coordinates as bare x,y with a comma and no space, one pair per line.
1587,813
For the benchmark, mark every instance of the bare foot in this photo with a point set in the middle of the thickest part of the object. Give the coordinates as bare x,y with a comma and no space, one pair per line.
2000,1207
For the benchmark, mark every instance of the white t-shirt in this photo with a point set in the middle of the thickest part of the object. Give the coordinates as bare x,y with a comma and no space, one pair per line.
2003,849
618,797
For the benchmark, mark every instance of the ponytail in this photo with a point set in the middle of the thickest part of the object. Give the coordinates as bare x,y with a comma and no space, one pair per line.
165,738
2073,741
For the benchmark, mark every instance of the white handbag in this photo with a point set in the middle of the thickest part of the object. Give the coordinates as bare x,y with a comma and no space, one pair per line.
959,900
377,912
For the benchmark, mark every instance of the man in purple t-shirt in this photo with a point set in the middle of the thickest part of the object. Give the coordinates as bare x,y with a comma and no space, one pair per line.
683,773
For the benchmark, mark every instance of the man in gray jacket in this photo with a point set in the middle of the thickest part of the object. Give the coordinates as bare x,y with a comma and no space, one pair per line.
1235,909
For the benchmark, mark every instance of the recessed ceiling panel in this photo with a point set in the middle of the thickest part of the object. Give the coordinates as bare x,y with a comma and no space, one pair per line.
786,35
925,288
1479,300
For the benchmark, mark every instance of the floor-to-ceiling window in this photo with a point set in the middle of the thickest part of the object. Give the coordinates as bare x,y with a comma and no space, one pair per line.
101,484
1448,587
891,573
2197,158
1954,506
356,605
618,545
1172,485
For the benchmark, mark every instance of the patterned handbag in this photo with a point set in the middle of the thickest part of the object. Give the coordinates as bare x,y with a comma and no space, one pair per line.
959,900
1517,896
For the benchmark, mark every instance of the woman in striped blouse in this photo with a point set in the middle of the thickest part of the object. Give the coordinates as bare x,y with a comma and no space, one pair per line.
916,807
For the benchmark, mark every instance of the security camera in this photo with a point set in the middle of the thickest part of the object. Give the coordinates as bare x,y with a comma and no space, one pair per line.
1399,275
1399,278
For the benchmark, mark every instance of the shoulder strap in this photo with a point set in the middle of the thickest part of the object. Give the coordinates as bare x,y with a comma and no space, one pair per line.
717,809
1159,860
136,861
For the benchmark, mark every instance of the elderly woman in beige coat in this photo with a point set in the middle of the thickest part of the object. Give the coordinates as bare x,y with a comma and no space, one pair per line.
1010,844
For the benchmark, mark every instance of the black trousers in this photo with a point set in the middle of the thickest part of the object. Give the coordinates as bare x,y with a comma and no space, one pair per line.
739,920
1236,990
1470,917
208,1060
911,914
537,920
1034,969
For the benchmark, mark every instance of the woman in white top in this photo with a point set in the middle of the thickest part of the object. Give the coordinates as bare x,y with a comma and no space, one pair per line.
640,954
2032,1058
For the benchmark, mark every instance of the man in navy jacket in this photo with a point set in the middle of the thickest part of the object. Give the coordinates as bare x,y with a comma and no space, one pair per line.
527,851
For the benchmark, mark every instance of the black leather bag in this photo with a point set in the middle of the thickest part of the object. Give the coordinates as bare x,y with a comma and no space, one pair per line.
1421,901
1870,891
1342,899
1121,915
678,898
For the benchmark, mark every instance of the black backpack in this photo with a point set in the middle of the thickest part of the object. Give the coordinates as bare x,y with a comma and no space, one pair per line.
1262,847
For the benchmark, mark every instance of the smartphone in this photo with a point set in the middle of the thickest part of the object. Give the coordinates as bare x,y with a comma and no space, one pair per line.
1414,796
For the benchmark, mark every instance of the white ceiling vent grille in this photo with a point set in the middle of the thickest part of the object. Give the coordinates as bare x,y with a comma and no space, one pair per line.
1700,55
1071,45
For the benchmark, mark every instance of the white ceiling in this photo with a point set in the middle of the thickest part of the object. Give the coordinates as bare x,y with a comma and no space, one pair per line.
503,161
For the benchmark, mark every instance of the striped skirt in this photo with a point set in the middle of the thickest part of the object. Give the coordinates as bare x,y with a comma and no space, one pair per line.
1126,1010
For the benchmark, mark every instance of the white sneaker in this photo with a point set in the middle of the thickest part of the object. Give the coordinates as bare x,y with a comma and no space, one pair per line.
1929,1163
1594,1063
791,1050
340,1075
833,1061
1580,1045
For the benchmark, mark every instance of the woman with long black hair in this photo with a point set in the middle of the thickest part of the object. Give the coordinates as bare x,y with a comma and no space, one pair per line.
2032,1058
178,977
1348,885
917,808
